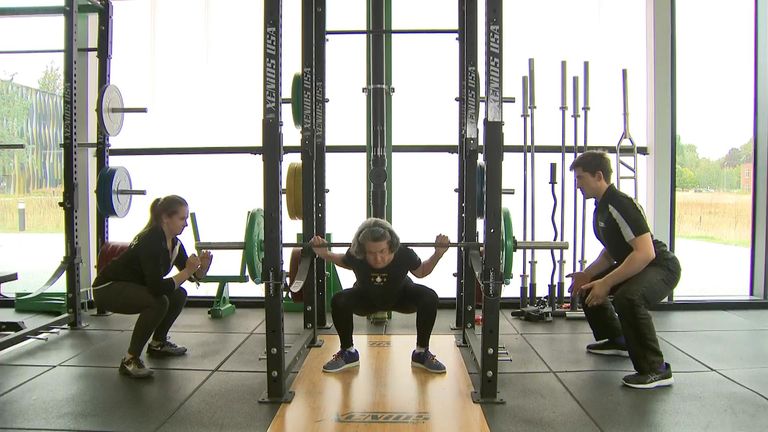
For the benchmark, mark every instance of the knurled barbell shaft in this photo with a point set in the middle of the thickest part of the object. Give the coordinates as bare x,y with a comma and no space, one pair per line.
408,244
548,245
240,245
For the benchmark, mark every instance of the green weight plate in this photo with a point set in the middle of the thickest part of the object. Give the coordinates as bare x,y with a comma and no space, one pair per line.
254,244
296,100
508,242
480,189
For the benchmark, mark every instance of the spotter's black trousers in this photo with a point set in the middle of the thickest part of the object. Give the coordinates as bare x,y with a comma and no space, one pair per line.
627,313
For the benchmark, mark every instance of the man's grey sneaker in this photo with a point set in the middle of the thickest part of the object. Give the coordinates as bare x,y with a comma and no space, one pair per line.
427,361
608,347
344,359
135,368
165,348
651,380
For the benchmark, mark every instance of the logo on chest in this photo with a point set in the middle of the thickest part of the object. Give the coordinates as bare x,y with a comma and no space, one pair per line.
379,278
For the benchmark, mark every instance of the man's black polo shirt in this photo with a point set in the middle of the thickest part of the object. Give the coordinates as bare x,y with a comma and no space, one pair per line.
619,219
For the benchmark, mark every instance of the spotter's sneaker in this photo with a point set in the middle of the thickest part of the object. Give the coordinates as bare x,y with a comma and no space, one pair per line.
608,347
135,368
344,359
652,380
165,348
428,361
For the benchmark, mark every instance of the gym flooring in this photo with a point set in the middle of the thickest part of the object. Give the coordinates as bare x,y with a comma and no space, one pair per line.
70,382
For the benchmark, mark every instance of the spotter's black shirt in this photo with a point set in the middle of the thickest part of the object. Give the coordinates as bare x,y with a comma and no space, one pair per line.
618,219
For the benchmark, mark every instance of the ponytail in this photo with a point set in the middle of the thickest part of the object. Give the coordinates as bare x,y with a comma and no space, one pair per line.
166,206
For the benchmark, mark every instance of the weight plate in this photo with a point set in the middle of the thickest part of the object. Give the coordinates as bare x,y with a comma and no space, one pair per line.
289,191
480,189
296,100
293,191
508,244
110,98
109,200
103,182
254,244
121,203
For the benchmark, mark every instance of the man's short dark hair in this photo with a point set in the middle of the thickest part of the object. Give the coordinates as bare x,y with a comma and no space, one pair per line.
592,161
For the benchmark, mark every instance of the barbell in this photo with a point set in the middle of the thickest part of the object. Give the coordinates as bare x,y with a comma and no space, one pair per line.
528,245
114,191
253,247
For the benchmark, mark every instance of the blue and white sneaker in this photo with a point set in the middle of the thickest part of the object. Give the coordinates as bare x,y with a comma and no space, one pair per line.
662,378
344,359
428,361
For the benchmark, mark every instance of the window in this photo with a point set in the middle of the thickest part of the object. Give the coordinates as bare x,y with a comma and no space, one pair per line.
714,148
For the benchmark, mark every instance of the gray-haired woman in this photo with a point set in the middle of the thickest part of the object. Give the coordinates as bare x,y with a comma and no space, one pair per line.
381,266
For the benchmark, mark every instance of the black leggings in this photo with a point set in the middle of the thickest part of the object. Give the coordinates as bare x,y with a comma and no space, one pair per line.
358,301
156,314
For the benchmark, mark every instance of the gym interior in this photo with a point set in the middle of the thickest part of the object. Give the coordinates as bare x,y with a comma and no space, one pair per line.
278,121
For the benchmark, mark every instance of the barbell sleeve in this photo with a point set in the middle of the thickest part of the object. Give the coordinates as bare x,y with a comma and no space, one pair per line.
128,110
220,245
546,245
131,192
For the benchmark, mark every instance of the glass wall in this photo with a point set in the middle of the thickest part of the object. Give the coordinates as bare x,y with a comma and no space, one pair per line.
611,36
714,147
31,221
198,71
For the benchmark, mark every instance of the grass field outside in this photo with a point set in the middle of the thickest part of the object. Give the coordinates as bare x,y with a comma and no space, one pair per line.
42,213
718,217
